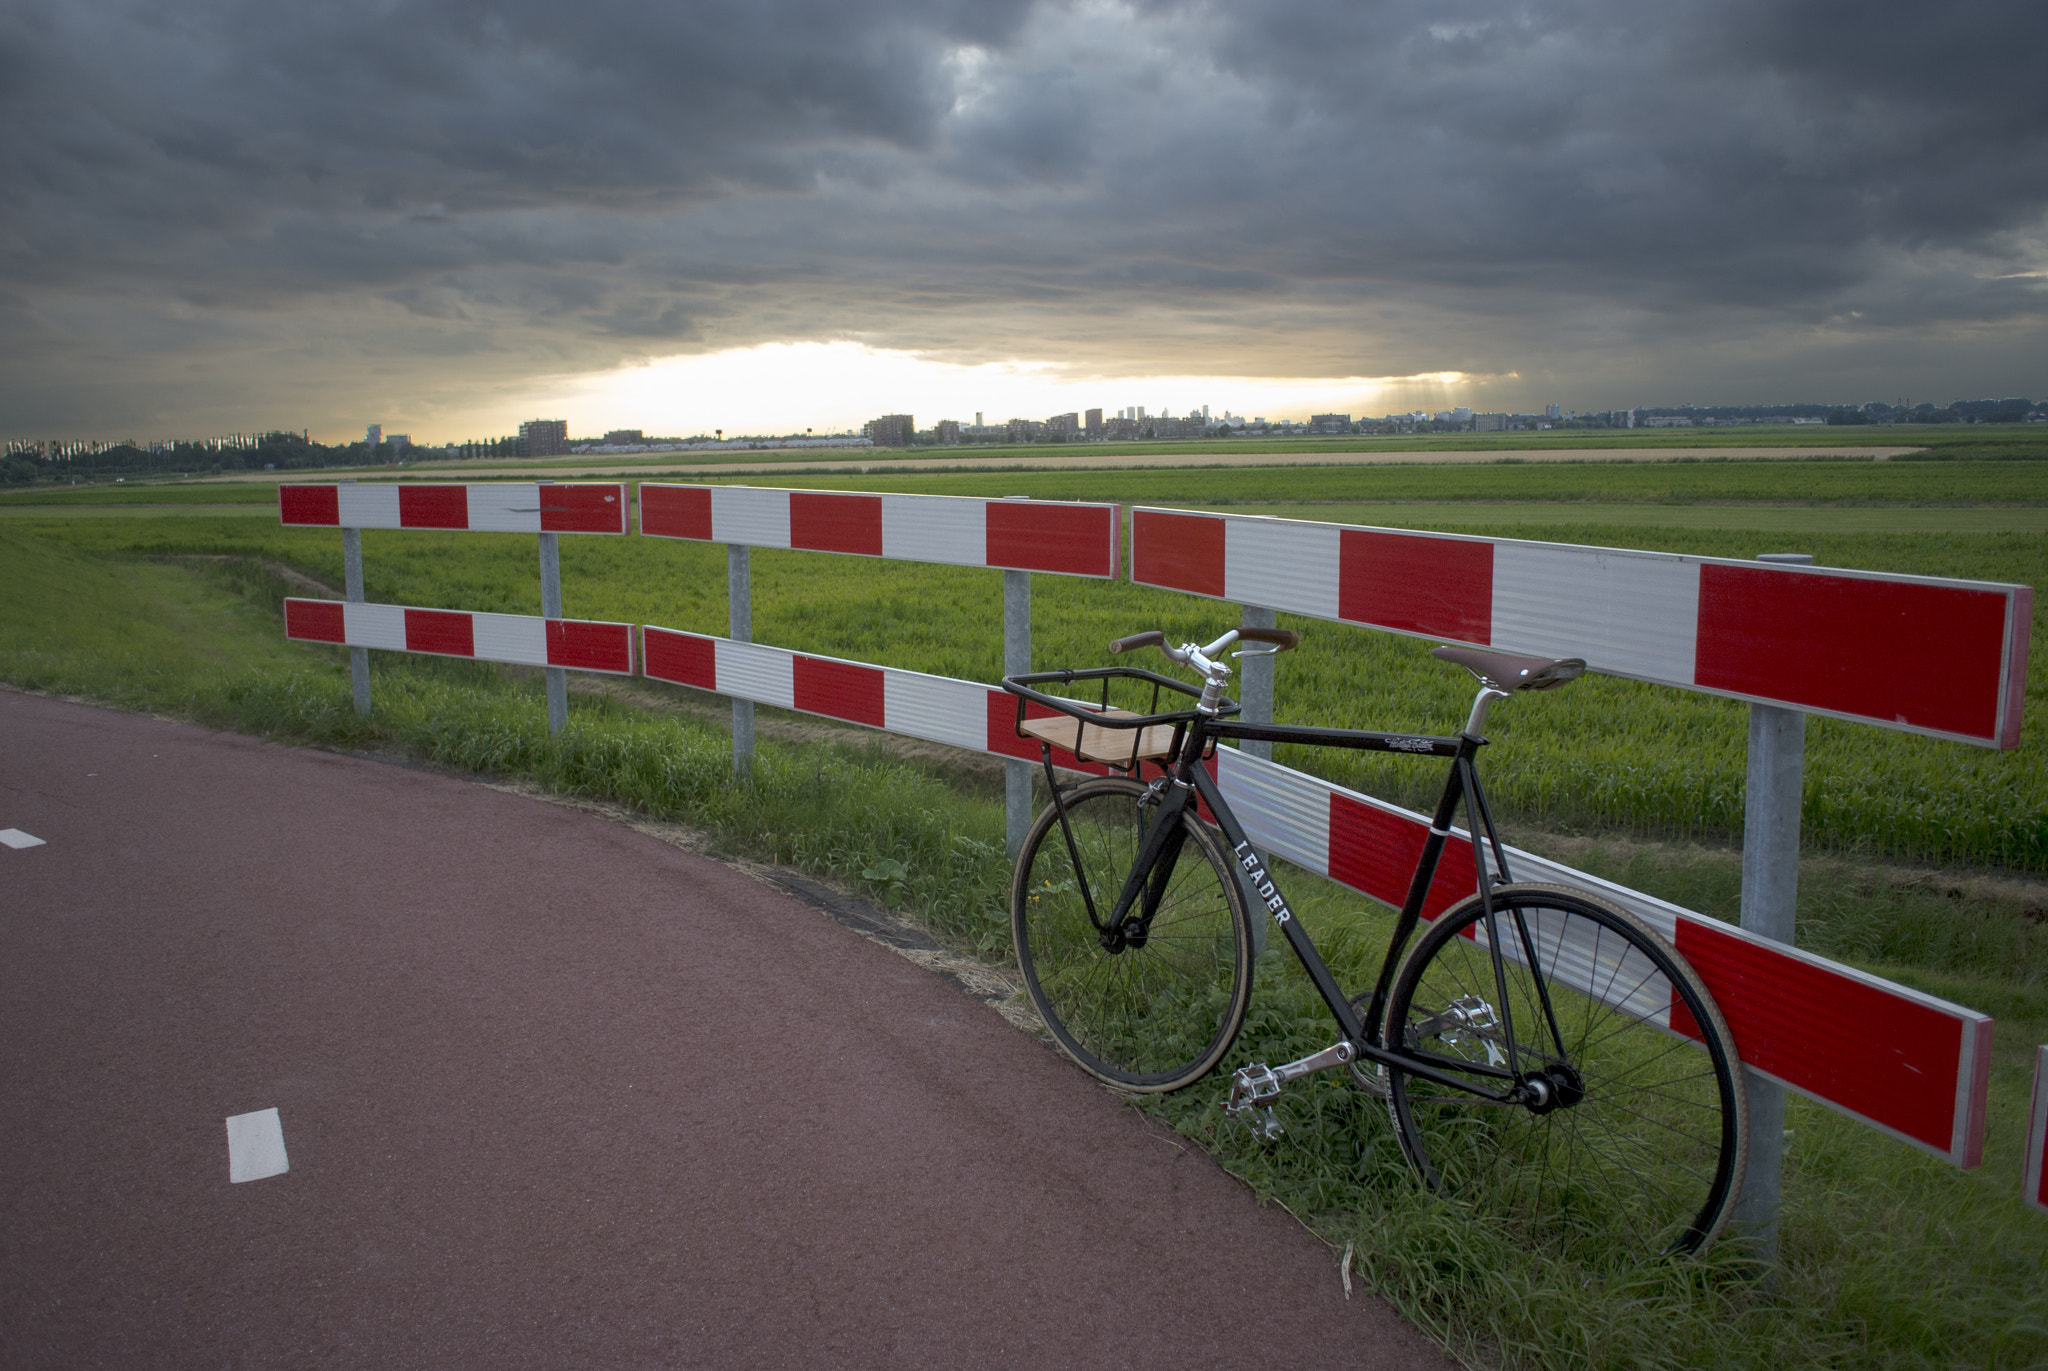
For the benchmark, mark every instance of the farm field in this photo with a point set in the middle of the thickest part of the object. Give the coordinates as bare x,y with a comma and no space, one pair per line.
1746,518
1961,482
1563,447
1926,859
1607,755
1530,514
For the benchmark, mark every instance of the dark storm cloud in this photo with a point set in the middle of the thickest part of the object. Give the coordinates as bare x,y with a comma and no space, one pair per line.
221,200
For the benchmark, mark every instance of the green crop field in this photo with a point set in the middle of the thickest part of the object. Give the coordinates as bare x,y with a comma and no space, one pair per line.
1663,483
1745,517
1607,754
1923,855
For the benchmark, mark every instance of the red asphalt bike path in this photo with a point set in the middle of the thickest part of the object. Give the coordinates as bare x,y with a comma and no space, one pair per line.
555,1094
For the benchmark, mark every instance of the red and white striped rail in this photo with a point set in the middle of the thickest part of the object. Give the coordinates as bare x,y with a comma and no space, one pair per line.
1928,655
1055,536
513,507
523,639
2035,1188
1906,1063
938,709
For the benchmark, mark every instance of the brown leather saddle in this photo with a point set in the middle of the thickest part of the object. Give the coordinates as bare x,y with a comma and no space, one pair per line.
1510,671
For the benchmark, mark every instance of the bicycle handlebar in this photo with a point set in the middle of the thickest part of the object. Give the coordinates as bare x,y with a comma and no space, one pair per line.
1281,638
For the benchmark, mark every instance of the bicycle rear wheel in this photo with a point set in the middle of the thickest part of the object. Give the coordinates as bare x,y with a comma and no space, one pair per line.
1640,1148
1159,1013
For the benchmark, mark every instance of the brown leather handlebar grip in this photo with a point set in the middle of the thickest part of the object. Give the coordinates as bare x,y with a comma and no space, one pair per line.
1154,638
1282,638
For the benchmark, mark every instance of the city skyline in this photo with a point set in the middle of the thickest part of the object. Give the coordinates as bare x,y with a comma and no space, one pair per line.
717,214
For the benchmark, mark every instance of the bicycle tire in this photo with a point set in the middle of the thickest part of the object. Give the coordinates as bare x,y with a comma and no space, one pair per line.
1648,1160
1145,1019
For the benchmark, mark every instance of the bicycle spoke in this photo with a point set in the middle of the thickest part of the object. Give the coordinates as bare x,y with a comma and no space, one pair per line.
1151,1011
1633,1156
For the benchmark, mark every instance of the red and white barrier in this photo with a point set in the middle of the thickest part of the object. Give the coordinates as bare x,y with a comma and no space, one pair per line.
527,640
2035,1189
1906,1063
938,709
1054,536
1920,653
513,507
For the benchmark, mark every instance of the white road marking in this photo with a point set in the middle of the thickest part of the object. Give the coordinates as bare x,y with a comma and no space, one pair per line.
15,838
256,1146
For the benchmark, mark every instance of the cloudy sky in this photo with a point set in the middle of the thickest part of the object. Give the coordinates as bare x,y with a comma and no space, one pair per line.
449,215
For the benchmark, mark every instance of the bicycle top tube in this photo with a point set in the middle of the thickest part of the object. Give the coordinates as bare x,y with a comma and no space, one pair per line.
1500,675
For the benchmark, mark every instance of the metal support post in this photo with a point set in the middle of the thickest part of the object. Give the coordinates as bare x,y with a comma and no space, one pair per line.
1016,661
1255,695
352,580
551,608
739,594
1770,900
1255,683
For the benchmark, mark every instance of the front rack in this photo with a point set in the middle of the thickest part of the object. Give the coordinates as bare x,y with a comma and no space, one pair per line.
1117,738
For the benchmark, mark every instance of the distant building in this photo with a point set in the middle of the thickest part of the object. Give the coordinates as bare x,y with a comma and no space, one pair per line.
891,430
1063,423
374,434
1023,430
1489,423
619,437
399,443
1320,423
544,438
1552,412
947,432
1092,422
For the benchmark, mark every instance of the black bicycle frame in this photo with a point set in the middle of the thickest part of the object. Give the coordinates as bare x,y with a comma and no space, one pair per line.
1186,779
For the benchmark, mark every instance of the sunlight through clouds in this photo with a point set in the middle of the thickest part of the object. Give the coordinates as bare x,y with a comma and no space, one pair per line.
828,387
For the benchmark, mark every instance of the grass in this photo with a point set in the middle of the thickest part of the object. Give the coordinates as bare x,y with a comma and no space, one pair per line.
1960,482
1892,1259
1747,517
1607,753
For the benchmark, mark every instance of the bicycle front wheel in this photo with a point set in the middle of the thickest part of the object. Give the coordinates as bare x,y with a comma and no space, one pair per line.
1638,1147
1149,1013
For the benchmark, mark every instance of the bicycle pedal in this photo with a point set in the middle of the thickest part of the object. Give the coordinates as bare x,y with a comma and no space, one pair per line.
1251,1089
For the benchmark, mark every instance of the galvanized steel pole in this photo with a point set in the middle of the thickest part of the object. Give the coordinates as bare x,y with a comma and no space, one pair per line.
352,581
1255,683
1016,661
1770,902
739,592
551,608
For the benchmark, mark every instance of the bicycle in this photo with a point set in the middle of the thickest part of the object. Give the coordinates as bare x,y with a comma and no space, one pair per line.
1542,1052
